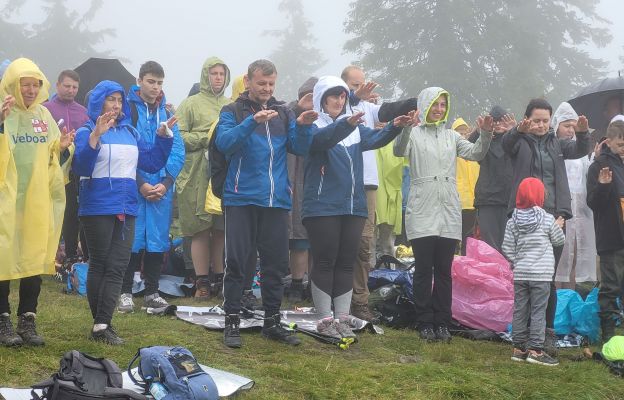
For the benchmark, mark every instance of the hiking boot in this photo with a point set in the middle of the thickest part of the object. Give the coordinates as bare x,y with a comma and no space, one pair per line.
344,329
28,331
231,332
8,337
155,301
274,330
442,334
550,343
542,358
519,355
362,311
608,329
249,300
108,336
126,303
328,327
427,333
202,289
295,293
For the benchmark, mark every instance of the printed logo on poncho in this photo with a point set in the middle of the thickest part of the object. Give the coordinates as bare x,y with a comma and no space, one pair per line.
40,126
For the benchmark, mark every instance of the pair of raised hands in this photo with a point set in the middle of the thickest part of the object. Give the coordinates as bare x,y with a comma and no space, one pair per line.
526,125
411,119
107,120
305,118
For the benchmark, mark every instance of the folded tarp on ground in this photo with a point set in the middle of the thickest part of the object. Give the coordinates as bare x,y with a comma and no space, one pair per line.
305,318
168,285
227,385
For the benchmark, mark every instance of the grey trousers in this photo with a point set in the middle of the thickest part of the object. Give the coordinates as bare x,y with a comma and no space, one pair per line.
492,221
530,301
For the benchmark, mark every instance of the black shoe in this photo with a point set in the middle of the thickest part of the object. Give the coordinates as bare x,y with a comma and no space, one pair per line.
275,331
249,300
442,334
427,333
231,332
8,337
295,293
550,343
108,336
27,329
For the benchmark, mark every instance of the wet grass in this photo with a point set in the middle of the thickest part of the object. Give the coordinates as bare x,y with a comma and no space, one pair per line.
396,365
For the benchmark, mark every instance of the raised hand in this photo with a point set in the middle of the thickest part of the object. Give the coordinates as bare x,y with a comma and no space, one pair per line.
485,123
103,123
524,126
161,131
415,116
605,176
582,125
67,138
508,122
402,121
305,103
264,116
598,148
307,117
7,104
560,221
356,119
365,92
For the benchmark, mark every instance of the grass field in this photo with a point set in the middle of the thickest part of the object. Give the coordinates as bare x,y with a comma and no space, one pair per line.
396,365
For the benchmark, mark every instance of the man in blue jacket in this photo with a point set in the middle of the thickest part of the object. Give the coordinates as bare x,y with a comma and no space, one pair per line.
255,133
151,235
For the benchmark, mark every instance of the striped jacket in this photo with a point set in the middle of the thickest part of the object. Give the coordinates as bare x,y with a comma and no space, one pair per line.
530,236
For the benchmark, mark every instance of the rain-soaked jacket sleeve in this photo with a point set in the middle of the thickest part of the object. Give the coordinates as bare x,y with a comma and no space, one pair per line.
175,162
84,156
193,140
473,151
372,139
575,149
299,136
327,137
231,136
401,144
153,158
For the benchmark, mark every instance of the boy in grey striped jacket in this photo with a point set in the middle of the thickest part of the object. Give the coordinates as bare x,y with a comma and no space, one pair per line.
530,236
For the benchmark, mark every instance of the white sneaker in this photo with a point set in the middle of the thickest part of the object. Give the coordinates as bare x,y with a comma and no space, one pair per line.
154,301
126,304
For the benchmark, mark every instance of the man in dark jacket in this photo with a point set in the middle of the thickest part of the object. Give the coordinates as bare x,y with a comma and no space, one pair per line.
535,151
255,133
605,196
493,186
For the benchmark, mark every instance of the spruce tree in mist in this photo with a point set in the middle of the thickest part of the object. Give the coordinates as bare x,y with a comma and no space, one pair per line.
483,52
296,58
63,40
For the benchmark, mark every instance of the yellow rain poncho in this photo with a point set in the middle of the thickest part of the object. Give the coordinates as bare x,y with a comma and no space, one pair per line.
32,190
238,87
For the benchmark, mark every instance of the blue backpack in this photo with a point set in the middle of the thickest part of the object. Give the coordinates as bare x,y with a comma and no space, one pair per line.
77,279
172,373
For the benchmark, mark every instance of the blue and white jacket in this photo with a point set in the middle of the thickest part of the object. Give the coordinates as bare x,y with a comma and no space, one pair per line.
108,173
334,172
257,172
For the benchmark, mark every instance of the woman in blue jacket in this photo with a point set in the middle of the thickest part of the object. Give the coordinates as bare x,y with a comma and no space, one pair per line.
334,203
108,152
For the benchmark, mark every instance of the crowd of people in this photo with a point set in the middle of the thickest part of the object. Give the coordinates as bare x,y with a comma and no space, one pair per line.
312,186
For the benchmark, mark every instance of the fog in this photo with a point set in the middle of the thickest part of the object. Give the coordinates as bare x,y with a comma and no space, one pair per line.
182,34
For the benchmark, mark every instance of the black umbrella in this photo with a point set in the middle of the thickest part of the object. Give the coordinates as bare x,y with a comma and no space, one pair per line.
592,100
95,70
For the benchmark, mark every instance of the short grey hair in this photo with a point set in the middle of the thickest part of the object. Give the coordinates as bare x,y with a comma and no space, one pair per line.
265,66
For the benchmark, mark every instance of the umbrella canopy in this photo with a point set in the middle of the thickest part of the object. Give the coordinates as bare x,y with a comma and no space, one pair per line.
95,70
592,100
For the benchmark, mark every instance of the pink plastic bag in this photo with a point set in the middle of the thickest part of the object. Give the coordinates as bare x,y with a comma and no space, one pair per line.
483,295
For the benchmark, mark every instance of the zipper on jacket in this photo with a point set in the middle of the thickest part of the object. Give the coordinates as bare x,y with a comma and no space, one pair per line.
240,160
352,175
268,133
320,188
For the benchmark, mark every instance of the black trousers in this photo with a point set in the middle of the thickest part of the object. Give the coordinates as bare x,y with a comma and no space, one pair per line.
248,228
469,218
492,221
28,295
71,224
433,257
334,243
152,265
110,244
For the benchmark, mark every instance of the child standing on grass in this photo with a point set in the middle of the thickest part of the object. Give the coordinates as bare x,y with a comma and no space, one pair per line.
530,236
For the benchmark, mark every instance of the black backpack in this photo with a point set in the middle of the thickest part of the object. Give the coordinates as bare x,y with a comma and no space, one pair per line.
218,163
84,377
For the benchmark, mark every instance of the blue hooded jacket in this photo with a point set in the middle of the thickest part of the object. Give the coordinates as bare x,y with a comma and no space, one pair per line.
257,172
151,232
334,171
108,173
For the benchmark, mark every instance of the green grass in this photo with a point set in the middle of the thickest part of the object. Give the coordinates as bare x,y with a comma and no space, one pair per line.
396,365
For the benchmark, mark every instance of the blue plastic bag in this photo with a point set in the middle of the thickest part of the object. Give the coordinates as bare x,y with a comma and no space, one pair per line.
574,315
77,279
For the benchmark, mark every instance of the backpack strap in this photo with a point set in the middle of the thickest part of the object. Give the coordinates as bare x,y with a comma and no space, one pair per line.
141,383
134,113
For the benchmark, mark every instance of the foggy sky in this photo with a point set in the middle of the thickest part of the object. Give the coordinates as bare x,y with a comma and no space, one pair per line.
181,34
